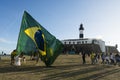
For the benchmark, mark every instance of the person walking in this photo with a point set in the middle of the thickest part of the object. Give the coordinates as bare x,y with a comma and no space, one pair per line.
103,58
83,57
92,56
13,54
112,58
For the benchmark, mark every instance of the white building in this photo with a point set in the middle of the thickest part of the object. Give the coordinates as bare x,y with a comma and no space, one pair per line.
85,41
87,45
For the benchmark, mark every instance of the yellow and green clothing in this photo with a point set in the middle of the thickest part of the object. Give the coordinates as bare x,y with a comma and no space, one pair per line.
92,55
13,54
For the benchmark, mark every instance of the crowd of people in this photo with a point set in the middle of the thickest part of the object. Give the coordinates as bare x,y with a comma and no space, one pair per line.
113,59
16,59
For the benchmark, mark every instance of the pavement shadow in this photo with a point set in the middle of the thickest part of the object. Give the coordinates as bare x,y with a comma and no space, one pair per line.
72,73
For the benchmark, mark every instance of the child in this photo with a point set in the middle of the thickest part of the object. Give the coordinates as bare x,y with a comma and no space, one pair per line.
24,60
17,61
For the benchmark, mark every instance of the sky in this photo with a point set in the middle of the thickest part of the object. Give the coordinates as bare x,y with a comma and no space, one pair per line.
62,18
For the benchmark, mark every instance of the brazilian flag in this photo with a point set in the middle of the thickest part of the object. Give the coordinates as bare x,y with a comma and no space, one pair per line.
33,37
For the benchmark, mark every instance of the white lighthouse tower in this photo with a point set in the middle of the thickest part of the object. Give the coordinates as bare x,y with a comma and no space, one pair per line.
81,29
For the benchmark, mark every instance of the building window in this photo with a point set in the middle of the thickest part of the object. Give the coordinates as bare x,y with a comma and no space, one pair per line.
73,42
69,42
86,42
64,42
77,42
82,42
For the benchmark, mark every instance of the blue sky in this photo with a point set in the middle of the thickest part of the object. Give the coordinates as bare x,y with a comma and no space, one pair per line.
100,18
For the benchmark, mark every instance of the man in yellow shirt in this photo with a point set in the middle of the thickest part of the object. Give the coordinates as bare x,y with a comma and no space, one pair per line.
13,54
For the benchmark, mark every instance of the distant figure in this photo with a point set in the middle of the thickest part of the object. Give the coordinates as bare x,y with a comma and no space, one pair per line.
96,57
107,59
2,53
103,58
83,57
112,58
117,59
24,60
92,56
0,57
13,54
37,56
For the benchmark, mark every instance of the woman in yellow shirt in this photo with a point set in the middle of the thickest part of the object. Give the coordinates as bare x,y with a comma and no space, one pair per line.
92,56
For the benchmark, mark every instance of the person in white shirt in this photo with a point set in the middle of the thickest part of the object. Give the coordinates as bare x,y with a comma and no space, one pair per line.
112,58
17,61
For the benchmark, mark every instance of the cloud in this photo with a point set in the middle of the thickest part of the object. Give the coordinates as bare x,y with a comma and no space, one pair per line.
3,40
99,37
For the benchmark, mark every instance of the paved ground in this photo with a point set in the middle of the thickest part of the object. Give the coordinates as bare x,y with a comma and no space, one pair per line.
66,67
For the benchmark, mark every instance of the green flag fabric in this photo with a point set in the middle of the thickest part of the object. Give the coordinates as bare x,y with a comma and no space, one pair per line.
33,37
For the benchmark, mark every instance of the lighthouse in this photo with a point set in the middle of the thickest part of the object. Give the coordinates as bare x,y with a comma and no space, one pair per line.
81,29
